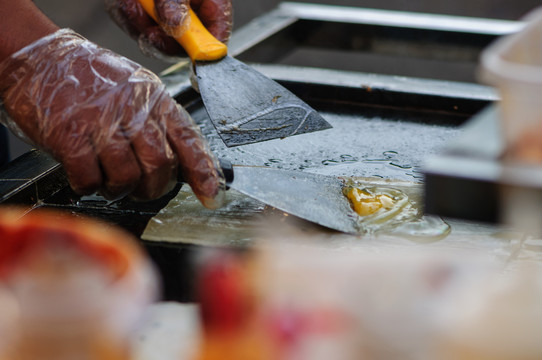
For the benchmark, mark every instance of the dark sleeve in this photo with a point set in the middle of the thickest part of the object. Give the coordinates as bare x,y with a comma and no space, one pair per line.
4,146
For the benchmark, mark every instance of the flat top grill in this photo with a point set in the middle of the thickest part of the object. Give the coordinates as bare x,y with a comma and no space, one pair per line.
398,117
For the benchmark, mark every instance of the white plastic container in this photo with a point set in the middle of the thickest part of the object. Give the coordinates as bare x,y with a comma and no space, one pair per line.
513,64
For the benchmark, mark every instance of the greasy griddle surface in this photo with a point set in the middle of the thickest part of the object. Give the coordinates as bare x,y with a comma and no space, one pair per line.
357,145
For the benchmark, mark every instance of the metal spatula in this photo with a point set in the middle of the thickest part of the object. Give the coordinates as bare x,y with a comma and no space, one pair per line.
244,105
313,197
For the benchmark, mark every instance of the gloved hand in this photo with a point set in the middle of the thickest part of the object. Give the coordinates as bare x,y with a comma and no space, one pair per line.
109,121
216,16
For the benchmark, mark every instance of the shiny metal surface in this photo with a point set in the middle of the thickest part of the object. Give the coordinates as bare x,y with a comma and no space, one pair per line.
247,107
312,197
370,40
403,19
364,40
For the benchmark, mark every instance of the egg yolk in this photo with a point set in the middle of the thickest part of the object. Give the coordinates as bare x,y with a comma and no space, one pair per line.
365,203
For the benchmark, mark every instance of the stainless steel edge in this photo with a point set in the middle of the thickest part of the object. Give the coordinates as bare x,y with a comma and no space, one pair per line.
401,19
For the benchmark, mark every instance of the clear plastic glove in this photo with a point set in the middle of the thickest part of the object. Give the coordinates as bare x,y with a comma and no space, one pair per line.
216,16
109,121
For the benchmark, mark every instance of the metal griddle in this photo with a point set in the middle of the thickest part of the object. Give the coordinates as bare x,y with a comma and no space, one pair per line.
404,113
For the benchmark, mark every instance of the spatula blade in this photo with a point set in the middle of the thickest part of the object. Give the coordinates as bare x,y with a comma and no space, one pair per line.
246,107
316,198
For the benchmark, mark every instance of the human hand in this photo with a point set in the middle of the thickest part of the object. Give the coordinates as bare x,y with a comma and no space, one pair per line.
109,121
156,39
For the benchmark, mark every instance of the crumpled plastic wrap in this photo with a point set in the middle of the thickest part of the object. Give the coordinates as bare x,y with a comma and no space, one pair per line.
156,39
108,120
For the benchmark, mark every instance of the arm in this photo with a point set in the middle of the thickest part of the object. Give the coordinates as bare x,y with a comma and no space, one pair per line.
16,34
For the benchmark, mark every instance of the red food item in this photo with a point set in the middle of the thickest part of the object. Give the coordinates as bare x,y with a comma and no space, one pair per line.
229,313
223,294
81,286
20,235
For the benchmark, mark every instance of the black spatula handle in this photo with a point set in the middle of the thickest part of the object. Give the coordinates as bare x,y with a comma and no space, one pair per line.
227,169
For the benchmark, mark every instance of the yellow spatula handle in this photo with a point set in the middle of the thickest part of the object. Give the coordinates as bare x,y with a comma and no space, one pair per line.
196,40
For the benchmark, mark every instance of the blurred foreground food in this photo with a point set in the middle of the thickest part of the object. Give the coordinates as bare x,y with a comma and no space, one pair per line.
72,288
298,302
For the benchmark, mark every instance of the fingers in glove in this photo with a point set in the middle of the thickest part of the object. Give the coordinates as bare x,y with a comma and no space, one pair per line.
120,167
130,16
172,15
156,159
69,142
155,38
82,167
89,95
197,164
216,15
